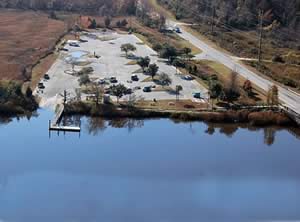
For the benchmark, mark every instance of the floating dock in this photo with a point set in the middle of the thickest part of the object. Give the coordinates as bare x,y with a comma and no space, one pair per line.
54,124
65,128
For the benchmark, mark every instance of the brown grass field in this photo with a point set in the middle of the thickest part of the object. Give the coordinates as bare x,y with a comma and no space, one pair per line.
25,37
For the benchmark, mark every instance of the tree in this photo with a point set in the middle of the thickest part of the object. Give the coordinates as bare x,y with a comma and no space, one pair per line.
153,69
124,23
215,89
169,52
84,79
273,96
78,94
127,48
178,89
143,62
231,89
186,51
118,24
107,21
247,87
161,22
132,99
164,79
93,24
98,92
118,91
28,92
53,15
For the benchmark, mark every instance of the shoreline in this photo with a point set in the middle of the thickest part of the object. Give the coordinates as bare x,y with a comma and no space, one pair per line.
253,118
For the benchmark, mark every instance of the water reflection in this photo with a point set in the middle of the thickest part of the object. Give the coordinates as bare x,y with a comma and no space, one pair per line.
230,129
95,126
115,173
5,120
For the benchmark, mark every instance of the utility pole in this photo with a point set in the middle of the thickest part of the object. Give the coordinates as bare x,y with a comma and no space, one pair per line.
260,34
213,19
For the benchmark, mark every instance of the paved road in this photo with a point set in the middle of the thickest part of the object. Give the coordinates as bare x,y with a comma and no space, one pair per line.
288,97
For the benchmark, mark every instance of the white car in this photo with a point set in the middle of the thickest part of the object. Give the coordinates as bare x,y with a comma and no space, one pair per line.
188,77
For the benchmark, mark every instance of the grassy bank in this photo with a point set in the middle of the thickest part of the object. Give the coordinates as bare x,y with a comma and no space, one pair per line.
255,118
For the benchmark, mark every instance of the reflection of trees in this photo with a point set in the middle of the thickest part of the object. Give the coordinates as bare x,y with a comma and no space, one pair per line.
5,120
269,135
229,129
98,125
71,120
210,130
192,130
95,126
126,123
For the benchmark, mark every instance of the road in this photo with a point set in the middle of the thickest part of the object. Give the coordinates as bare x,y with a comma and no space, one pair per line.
288,97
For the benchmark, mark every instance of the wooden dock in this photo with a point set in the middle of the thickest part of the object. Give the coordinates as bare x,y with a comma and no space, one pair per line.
54,124
65,128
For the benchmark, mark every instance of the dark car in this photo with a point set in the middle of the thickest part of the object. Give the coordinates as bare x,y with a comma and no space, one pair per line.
128,91
147,89
134,78
73,44
197,95
177,30
83,40
113,80
41,85
64,49
102,81
46,76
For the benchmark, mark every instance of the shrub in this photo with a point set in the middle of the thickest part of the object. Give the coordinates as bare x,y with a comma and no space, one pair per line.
85,70
84,79
157,47
277,58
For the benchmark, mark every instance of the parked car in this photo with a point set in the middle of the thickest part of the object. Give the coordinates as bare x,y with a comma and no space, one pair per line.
73,44
188,77
41,85
134,77
147,89
128,91
113,79
46,77
177,30
64,49
83,40
197,95
102,81
132,56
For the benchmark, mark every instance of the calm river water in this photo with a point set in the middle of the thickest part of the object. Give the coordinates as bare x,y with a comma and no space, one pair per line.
152,170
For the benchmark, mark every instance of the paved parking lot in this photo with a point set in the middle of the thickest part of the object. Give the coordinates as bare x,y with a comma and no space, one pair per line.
112,62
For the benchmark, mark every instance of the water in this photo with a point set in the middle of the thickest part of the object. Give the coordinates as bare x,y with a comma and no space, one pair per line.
78,54
152,170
